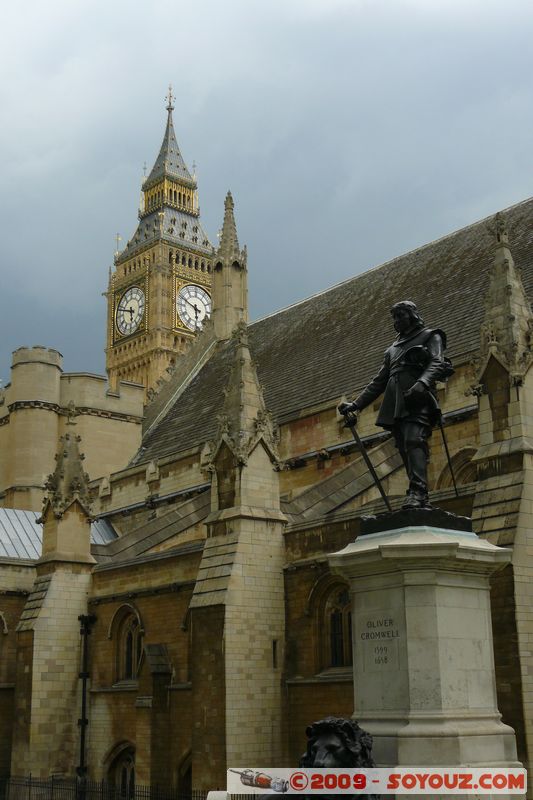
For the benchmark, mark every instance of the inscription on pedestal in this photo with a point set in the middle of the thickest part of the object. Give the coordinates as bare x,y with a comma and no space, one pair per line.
378,637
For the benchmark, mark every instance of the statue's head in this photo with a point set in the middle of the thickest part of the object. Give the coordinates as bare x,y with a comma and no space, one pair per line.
405,315
334,742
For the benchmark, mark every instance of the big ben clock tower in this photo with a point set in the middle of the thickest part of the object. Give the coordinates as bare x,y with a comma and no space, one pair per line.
159,292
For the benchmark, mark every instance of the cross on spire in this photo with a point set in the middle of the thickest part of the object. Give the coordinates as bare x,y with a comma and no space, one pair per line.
170,98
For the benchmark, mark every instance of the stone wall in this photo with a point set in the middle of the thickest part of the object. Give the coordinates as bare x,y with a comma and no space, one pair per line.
16,580
34,408
48,664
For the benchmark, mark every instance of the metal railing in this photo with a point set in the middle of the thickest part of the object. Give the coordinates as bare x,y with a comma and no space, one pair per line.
58,788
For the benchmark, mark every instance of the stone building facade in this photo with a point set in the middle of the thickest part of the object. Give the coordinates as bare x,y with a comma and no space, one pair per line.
219,631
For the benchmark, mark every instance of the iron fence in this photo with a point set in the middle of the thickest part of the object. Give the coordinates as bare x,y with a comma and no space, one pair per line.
58,788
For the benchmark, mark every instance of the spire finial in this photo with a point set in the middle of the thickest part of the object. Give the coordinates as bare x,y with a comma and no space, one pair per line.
501,228
144,169
228,242
169,98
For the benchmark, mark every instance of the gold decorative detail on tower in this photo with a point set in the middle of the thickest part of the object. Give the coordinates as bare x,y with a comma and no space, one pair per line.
160,290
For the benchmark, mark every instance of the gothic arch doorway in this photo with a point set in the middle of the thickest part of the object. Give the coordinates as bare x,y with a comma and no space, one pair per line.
185,777
121,773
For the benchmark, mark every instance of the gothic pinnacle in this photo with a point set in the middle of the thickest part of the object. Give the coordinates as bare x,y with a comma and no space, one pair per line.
69,481
244,418
508,324
229,241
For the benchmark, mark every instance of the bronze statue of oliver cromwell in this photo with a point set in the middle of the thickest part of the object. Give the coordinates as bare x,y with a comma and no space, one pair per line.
412,365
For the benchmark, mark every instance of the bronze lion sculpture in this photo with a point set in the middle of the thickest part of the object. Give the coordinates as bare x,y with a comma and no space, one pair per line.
334,743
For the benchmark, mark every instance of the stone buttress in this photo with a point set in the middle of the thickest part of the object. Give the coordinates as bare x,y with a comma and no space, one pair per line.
46,734
503,503
237,608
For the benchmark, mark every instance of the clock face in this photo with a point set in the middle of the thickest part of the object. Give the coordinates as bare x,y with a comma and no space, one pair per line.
193,305
130,310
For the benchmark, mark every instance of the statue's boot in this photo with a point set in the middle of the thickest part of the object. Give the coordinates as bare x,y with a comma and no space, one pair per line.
417,467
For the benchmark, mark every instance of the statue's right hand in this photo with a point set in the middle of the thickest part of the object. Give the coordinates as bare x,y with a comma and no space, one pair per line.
349,408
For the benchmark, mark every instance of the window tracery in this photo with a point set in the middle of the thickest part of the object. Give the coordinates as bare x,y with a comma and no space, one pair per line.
338,628
329,604
122,773
127,631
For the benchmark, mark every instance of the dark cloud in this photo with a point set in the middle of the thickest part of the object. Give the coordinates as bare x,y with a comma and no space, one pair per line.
348,132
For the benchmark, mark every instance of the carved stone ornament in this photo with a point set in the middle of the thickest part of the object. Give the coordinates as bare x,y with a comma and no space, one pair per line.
244,420
507,329
69,481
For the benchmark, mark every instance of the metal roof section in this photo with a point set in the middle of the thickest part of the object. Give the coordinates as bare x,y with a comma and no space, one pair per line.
102,532
169,162
21,536
175,227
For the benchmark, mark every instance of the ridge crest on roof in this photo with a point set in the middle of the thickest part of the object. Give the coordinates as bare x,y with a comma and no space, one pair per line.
406,254
313,352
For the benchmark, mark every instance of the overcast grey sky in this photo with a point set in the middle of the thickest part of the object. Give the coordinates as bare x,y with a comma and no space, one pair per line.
349,131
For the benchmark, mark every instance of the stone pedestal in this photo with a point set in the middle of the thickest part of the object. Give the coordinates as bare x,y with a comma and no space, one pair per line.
424,681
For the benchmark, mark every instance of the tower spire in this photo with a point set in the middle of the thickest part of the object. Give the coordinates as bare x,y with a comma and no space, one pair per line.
230,279
169,163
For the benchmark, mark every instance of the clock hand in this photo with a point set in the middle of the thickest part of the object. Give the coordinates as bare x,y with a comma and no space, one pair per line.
129,310
196,309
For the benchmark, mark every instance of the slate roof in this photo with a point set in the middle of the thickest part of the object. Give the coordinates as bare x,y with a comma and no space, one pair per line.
179,229
156,531
21,536
34,603
169,162
332,343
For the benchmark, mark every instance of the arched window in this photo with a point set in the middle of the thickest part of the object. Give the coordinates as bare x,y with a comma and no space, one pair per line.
464,469
131,650
121,773
185,777
329,604
338,628
127,631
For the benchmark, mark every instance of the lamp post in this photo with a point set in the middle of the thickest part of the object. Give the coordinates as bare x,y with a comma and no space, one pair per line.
86,621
